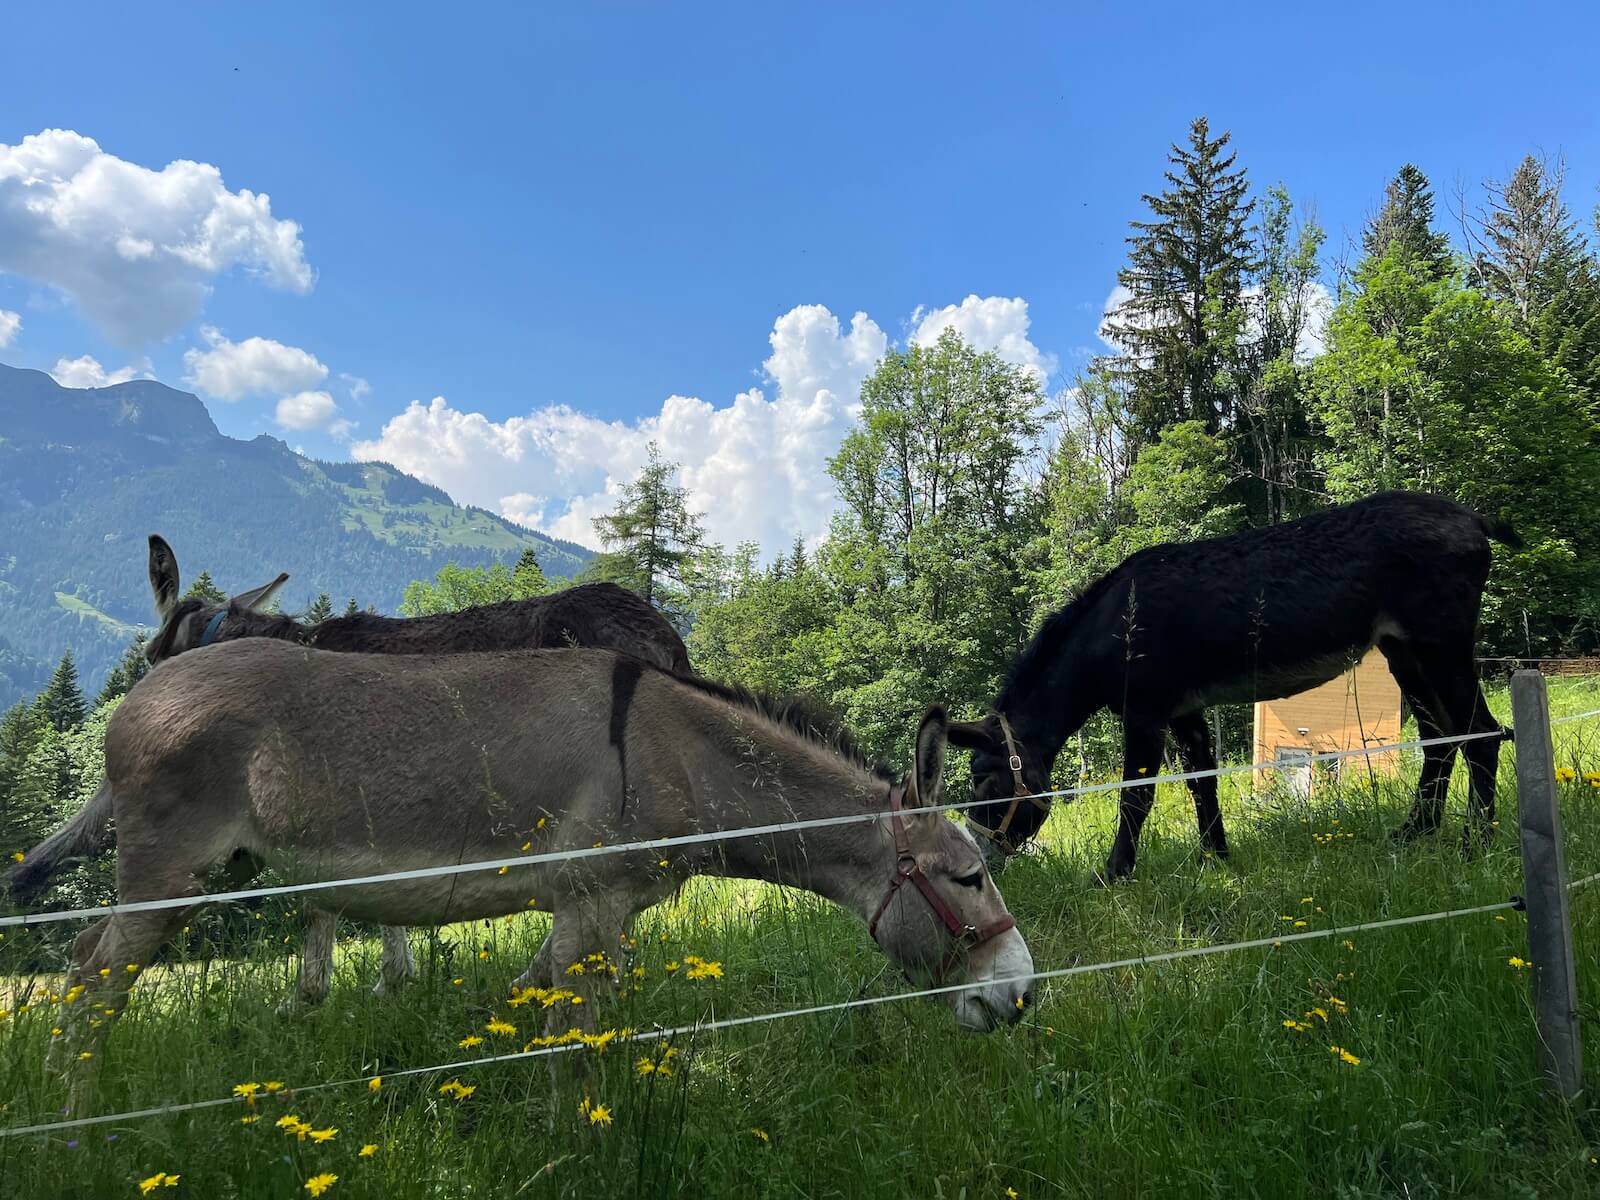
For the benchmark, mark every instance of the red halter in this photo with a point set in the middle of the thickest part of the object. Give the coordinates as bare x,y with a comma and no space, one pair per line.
966,937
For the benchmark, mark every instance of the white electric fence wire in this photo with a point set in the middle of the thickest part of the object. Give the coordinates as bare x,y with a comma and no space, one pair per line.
761,1018
718,835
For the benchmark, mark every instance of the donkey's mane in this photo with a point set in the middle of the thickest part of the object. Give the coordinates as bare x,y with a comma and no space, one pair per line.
1027,673
805,717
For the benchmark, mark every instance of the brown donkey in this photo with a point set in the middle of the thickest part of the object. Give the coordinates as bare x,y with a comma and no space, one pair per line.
600,615
328,766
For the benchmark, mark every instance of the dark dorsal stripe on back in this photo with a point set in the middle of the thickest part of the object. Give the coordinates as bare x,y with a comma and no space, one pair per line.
625,674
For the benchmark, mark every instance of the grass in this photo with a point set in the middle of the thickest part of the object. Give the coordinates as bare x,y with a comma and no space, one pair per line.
1176,1079
85,611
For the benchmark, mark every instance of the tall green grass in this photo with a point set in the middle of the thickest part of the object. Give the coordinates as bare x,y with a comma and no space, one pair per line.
1173,1079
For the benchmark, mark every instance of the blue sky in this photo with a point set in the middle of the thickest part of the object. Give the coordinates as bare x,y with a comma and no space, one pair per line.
603,207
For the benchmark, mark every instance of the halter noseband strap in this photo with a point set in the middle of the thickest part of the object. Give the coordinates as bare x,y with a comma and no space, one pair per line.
1019,791
967,937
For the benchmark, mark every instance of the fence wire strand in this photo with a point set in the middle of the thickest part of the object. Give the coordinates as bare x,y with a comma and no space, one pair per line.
719,835
656,1035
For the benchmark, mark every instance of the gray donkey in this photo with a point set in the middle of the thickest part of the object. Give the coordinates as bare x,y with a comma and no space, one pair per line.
600,615
331,766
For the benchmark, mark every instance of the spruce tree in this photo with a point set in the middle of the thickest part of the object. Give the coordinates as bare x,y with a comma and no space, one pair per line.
651,537
1406,221
61,702
203,588
1525,227
128,671
527,577
321,609
1180,327
351,608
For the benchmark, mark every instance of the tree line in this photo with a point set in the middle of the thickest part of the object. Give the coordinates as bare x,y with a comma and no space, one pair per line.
1248,382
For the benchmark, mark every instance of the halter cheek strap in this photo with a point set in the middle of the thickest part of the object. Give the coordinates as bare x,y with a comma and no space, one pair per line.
967,938
212,626
1019,792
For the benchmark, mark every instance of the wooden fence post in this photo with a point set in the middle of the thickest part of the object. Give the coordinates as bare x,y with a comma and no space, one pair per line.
1544,871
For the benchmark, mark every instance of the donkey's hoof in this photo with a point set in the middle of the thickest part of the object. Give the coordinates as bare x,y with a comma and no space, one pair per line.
1412,830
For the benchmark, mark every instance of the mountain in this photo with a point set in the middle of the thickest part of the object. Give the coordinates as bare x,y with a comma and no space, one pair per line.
87,474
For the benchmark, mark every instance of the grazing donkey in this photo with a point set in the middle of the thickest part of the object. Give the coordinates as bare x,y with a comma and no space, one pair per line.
600,615
327,766
1250,616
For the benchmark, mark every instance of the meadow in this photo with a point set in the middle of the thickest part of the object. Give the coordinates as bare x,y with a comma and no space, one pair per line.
1386,1063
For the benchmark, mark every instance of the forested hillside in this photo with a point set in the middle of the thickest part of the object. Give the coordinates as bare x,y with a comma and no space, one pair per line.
87,474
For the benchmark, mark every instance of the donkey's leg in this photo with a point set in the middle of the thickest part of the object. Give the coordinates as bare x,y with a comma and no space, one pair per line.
1194,747
538,972
399,965
1142,744
1433,721
107,958
1451,671
316,956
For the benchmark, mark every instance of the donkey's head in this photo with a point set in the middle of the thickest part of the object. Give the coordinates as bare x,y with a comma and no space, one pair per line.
1004,778
186,624
941,919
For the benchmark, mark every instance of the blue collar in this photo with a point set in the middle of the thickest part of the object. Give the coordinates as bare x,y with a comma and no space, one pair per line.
210,635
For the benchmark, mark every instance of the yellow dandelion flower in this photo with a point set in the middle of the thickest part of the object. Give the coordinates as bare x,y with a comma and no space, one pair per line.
599,1115
597,845
159,1179
575,969
1299,924
368,1150
532,902
274,1085
468,1043
105,972
133,968
250,1120
86,1056
318,1184
638,972
483,955
1344,1055
1521,964
375,1083
705,970
662,863
645,1067
1319,1012
323,1135
759,1134
526,846
1348,944
246,1090
1307,899
56,1032
1565,774
456,982
502,870
501,1027
1011,1194
540,825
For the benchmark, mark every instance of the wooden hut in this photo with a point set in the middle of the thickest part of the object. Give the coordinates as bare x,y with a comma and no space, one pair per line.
1356,709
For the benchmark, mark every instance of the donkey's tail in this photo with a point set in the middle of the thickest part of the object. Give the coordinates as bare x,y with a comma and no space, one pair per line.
87,834
1501,532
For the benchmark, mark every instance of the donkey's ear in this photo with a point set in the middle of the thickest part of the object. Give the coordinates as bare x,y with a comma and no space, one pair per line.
259,597
976,735
163,575
928,770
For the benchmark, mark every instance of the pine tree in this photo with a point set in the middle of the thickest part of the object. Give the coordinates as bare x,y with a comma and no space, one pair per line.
127,672
321,609
61,702
351,608
204,589
1180,328
651,537
1406,221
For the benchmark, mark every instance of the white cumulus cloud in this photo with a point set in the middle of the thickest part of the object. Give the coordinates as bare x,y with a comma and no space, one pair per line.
136,248
256,366
756,467
308,410
993,323
86,372
10,326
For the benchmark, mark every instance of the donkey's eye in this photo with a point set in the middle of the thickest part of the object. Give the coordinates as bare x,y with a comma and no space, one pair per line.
975,880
